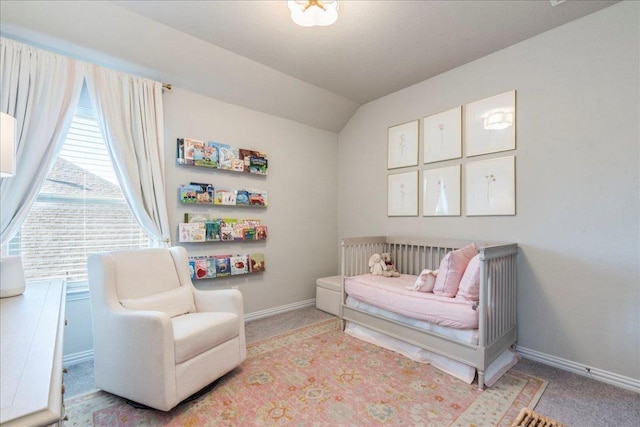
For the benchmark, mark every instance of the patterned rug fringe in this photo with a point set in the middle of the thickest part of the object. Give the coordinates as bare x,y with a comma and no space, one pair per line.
528,418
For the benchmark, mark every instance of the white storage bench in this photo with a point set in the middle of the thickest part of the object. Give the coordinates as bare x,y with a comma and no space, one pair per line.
329,294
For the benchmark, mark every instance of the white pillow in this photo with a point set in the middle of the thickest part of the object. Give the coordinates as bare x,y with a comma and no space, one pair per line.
174,302
425,281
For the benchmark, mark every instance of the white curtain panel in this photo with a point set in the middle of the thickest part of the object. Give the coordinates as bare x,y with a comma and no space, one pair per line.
41,90
130,113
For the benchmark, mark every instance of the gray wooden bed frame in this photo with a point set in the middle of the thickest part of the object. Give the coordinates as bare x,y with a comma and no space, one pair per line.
497,322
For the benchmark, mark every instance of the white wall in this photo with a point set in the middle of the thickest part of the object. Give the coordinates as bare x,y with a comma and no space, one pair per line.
577,180
301,186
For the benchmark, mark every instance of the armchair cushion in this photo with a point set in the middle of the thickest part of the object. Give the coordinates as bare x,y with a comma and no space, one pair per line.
196,333
174,302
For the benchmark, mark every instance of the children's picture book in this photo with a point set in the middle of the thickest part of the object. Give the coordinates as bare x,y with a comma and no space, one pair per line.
204,193
249,233
192,268
226,228
238,231
188,193
191,232
224,196
212,230
223,265
242,197
258,165
256,262
258,198
201,267
197,217
209,156
211,268
239,264
227,156
261,232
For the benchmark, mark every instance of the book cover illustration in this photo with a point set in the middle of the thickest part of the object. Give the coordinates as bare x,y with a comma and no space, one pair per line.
192,268
193,149
261,232
190,217
256,262
238,231
258,165
242,197
201,267
209,156
227,156
223,265
224,196
211,268
239,264
258,198
188,193
204,193
191,232
226,228
212,231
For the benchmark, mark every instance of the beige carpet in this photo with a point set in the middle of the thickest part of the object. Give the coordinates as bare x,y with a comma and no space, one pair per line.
317,375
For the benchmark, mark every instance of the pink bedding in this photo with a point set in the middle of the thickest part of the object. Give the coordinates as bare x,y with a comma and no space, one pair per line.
391,293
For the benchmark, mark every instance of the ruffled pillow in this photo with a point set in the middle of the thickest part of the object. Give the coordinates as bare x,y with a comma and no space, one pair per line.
451,269
425,281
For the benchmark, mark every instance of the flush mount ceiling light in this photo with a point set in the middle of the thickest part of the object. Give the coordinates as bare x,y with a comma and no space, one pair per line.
309,13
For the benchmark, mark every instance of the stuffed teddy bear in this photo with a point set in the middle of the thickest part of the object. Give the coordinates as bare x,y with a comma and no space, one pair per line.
390,270
376,265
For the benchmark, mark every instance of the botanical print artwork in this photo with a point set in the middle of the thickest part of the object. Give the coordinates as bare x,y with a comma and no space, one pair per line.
441,191
443,136
402,197
403,145
491,187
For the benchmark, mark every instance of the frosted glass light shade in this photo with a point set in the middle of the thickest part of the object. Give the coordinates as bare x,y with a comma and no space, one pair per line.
7,145
309,13
11,276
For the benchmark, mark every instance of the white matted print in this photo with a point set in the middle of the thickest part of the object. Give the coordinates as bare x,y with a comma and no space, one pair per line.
402,194
491,187
441,191
490,124
443,136
403,145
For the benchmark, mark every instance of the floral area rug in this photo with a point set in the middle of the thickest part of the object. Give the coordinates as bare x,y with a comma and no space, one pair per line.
319,376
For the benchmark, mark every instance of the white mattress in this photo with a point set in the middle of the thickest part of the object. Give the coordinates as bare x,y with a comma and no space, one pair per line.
391,293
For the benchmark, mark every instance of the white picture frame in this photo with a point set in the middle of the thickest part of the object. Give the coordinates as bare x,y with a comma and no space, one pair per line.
402,145
490,125
490,187
402,194
443,135
441,191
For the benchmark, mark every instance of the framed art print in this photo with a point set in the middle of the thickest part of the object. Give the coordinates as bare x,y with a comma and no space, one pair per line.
490,187
441,191
402,194
402,144
490,124
443,136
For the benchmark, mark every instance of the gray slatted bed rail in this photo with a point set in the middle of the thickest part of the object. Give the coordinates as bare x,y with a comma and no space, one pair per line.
497,322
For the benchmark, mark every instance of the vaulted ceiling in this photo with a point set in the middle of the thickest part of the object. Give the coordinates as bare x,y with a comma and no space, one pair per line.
250,53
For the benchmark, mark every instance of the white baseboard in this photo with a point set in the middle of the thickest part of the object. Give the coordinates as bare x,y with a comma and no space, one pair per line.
83,356
72,359
585,371
277,310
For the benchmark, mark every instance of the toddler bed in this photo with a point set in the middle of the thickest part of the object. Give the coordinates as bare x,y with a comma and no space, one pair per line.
466,334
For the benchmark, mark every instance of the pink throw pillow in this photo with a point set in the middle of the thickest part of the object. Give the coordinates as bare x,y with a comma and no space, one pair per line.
451,269
469,288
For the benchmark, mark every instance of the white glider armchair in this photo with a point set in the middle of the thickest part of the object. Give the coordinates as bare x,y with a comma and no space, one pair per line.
158,339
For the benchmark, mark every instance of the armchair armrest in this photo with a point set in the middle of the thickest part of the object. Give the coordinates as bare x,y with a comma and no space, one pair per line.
227,300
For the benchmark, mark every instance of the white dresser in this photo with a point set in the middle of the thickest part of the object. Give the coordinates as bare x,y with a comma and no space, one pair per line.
31,332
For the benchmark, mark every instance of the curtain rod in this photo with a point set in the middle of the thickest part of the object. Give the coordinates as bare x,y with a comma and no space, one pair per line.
166,86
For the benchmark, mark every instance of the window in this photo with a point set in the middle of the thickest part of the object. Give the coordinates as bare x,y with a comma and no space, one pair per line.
80,209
